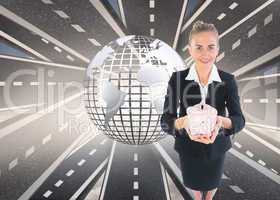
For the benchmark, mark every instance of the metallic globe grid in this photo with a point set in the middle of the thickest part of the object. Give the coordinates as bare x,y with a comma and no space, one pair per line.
136,121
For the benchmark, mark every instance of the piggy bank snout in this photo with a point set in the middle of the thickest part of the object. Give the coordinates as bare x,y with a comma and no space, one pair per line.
202,118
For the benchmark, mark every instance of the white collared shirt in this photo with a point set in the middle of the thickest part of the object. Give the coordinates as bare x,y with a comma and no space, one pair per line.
214,76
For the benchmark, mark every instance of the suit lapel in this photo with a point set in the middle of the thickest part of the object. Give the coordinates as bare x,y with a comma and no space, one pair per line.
210,93
215,93
192,92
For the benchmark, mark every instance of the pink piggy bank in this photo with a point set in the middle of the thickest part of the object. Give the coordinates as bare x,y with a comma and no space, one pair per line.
202,118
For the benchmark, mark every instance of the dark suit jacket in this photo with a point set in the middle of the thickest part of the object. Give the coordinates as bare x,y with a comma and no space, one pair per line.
182,93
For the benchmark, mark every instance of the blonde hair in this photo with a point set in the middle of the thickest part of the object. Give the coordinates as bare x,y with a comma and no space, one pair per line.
200,26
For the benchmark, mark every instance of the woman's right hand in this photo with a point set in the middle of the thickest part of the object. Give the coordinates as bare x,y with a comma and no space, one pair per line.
182,122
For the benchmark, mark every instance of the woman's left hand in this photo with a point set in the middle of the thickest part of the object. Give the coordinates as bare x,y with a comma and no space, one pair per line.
216,129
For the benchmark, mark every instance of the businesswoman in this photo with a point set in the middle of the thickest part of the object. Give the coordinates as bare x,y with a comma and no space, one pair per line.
201,157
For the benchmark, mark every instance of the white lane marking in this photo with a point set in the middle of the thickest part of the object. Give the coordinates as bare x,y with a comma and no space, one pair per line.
63,127
7,115
135,157
152,31
272,176
47,1
34,83
258,62
152,18
277,100
135,185
20,107
58,183
30,118
184,49
276,172
268,19
81,162
236,189
70,58
264,100
122,12
237,144
17,19
57,49
102,193
247,100
61,14
236,44
165,182
94,42
152,4
22,45
29,152
92,152
233,5
259,77
221,16
196,14
252,31
262,141
135,197
107,17
16,83
2,83
103,142
47,139
45,41
35,185
275,128
250,154
180,22
47,194
220,57
70,172
190,62
89,180
43,63
225,177
85,140
78,28
13,164
246,18
262,162
135,171
172,165
51,83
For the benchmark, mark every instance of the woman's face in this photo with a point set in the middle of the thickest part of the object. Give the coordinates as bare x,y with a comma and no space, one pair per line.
204,49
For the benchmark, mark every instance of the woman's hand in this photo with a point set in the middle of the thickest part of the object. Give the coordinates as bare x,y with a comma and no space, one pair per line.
182,122
203,138
214,133
197,138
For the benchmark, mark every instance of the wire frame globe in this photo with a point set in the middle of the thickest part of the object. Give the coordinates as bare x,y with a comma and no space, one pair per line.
136,120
